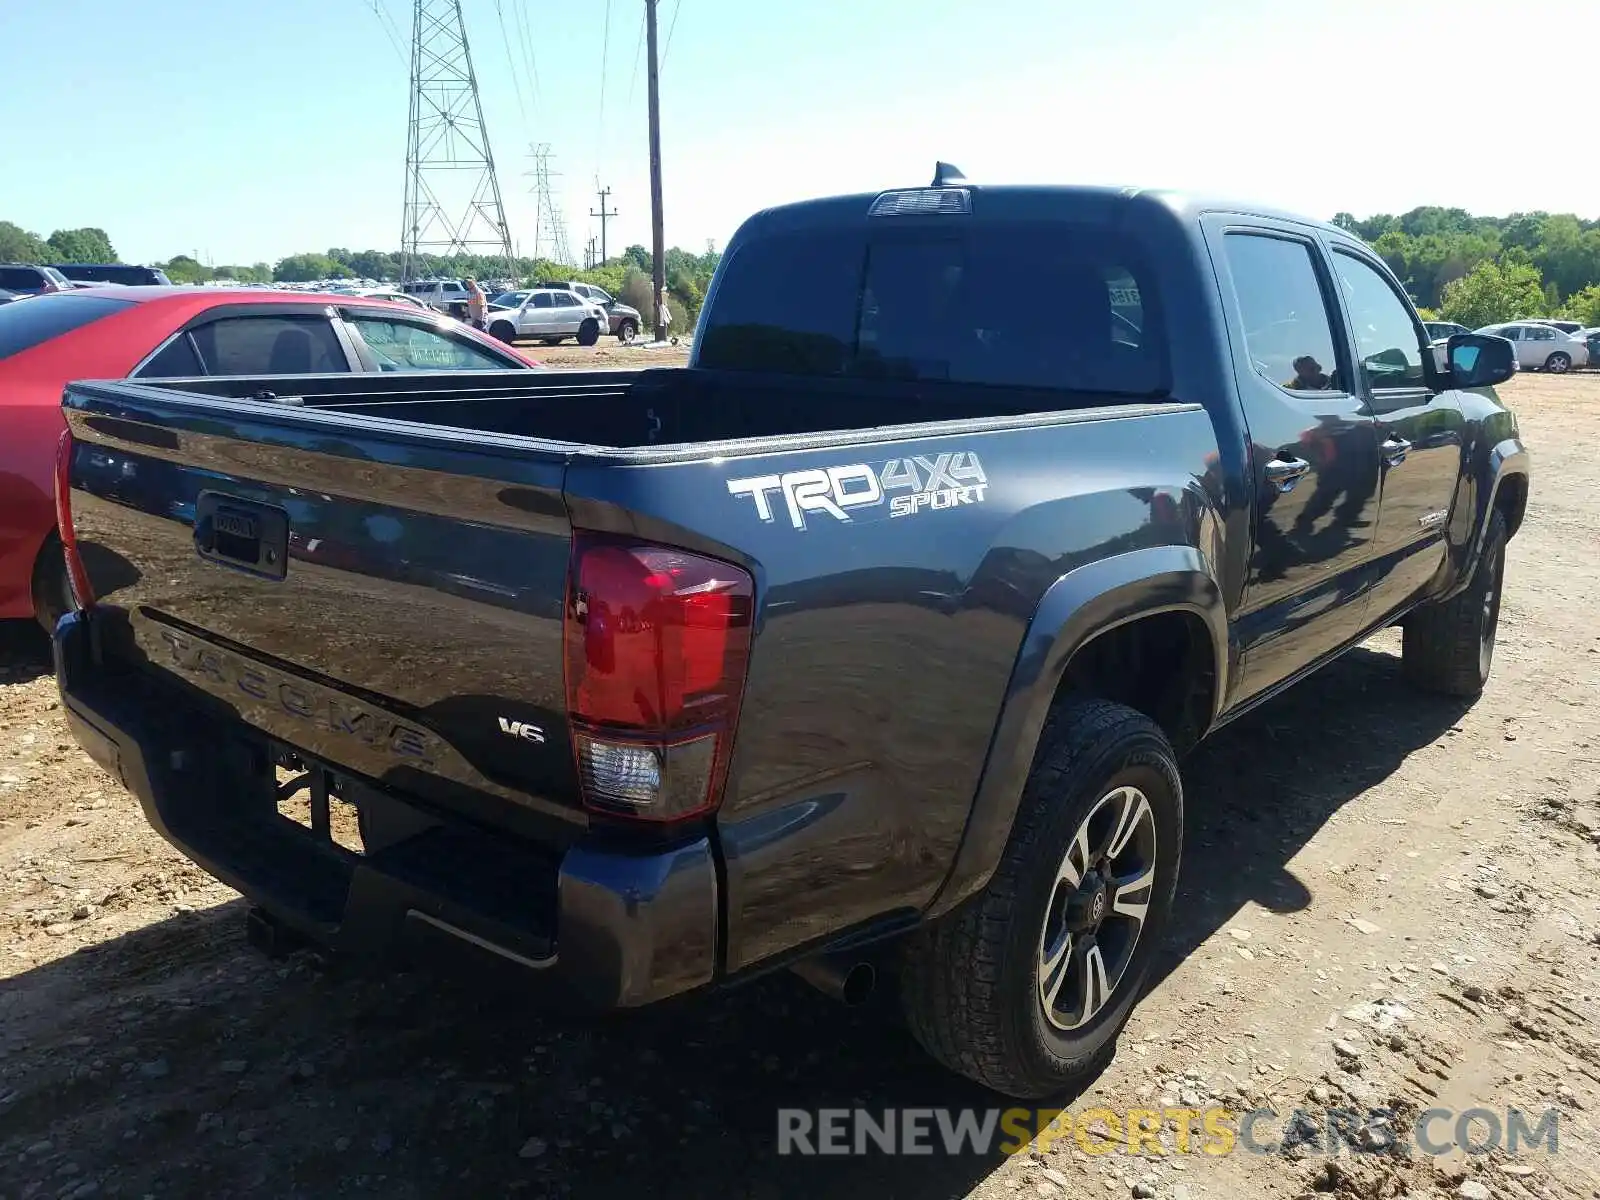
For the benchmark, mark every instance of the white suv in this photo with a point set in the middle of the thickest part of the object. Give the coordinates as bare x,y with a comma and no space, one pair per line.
446,295
550,315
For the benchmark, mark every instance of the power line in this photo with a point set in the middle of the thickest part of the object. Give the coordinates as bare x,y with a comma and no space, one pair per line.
505,44
638,48
525,26
390,30
605,53
677,7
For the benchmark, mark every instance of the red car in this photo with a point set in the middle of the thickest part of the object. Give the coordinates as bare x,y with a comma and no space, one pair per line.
169,332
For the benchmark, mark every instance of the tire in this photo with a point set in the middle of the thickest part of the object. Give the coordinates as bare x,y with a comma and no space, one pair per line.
589,332
52,592
505,331
1558,363
1448,647
970,983
627,331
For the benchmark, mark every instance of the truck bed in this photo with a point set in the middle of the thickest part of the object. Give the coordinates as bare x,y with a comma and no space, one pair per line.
632,409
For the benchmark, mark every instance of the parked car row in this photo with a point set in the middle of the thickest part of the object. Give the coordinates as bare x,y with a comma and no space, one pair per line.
1550,345
179,332
36,279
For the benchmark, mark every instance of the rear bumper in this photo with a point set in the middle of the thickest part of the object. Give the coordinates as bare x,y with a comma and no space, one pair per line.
616,928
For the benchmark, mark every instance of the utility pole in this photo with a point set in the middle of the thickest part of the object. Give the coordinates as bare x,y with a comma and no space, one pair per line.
590,262
657,228
604,194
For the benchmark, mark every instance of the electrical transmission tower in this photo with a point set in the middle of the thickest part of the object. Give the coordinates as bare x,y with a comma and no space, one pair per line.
549,231
453,203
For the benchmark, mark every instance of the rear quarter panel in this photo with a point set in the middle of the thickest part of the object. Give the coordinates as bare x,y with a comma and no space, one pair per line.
885,643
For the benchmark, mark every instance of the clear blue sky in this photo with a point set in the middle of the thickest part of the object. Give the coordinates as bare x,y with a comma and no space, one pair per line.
249,131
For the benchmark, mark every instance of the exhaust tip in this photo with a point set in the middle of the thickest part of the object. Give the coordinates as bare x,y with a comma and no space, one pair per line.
858,984
849,981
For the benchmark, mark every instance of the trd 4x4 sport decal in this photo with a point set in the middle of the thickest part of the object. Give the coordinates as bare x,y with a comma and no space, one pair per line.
900,487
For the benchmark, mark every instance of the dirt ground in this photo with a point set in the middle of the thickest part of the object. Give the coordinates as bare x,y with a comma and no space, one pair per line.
1389,900
607,355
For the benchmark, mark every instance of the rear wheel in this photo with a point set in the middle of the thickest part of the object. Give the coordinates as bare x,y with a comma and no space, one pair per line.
52,592
627,331
589,332
1449,647
1558,363
1025,988
505,331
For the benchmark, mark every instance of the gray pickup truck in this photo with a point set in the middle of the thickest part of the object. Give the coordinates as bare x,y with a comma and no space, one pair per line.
868,642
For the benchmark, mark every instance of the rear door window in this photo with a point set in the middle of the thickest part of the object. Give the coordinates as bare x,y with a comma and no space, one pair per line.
1288,331
270,345
27,323
1049,305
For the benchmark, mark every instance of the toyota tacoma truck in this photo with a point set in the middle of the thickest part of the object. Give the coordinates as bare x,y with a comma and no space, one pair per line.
869,641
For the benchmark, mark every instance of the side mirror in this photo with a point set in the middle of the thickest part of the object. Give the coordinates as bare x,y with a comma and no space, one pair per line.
1480,360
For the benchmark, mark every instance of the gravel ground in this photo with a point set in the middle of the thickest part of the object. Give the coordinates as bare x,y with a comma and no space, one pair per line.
607,355
1388,900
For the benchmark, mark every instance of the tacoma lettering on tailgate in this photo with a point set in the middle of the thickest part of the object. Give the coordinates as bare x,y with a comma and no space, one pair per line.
220,673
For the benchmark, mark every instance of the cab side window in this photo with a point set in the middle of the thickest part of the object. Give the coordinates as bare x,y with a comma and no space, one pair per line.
1287,331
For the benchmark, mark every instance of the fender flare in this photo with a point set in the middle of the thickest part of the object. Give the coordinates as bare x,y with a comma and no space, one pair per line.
1078,607
1504,460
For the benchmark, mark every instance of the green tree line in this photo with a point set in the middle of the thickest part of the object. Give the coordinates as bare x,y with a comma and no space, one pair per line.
1479,270
626,276
1475,270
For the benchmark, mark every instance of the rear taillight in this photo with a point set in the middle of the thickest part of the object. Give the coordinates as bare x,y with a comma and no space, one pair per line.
77,576
657,646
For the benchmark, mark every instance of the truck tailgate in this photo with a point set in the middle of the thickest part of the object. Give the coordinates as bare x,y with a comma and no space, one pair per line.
212,528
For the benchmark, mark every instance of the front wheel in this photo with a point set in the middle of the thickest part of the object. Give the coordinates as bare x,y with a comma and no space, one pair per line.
505,331
589,332
627,331
1025,988
1448,647
1558,363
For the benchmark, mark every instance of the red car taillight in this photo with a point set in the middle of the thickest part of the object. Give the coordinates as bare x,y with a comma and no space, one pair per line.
77,576
657,645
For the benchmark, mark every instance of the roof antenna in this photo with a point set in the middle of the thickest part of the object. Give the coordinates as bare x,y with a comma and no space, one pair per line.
945,174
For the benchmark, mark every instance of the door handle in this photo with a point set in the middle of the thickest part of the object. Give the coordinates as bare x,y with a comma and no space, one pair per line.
1395,451
1287,470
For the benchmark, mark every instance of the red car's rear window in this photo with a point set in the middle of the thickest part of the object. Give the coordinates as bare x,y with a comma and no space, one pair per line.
26,323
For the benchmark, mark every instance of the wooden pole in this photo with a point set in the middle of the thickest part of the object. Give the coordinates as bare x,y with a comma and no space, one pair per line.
657,226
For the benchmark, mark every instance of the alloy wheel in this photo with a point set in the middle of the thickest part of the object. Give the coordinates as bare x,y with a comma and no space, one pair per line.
1097,908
